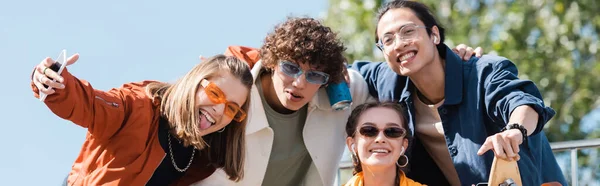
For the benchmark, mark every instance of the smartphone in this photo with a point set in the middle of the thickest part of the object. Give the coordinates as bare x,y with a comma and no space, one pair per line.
339,95
58,66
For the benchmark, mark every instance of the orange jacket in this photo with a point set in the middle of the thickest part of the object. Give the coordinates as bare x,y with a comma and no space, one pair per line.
121,145
358,180
246,54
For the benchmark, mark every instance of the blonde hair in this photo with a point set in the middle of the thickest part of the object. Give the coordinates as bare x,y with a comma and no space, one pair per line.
177,105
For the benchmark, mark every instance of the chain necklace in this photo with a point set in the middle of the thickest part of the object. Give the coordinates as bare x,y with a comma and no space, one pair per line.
173,159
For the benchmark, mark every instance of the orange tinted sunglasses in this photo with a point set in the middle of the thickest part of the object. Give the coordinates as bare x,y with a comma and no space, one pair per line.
217,96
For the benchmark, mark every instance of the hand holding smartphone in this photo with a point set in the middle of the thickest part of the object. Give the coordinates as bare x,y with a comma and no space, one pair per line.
58,66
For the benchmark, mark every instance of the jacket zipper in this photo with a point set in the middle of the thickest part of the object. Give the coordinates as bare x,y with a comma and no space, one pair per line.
107,102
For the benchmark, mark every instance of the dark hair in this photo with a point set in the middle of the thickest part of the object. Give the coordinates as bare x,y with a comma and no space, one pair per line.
305,40
421,11
352,123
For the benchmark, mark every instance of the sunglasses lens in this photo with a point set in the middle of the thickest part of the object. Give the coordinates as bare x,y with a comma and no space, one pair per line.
317,78
290,69
368,131
394,132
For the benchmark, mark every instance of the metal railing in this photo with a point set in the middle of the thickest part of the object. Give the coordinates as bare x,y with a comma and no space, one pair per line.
572,146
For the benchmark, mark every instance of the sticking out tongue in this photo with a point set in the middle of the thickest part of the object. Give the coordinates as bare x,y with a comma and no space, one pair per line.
204,123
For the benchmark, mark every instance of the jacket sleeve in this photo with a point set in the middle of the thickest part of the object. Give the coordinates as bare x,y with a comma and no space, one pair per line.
359,89
370,72
504,92
102,113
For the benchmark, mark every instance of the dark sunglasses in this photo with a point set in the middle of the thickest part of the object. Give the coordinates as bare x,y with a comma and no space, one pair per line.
391,132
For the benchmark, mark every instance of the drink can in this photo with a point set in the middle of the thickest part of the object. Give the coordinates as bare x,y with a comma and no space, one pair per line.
339,95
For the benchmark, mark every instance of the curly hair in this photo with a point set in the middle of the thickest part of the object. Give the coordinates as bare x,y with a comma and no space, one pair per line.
305,40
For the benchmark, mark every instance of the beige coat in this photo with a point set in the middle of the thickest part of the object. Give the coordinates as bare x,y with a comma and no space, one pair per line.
324,136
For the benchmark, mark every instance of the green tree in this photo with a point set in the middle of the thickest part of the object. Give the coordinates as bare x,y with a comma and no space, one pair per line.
553,42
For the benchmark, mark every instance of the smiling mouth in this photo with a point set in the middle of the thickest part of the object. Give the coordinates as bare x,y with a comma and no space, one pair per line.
404,57
379,151
209,118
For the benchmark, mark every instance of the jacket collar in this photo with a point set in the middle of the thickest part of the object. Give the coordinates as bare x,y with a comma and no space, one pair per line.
453,89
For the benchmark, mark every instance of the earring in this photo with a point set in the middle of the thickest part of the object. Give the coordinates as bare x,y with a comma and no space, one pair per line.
222,129
405,163
352,152
434,39
406,157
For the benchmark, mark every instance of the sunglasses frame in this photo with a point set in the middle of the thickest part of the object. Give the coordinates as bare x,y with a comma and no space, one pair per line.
387,132
220,98
300,72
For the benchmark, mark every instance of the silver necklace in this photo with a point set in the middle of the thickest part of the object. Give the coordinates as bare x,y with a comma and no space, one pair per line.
173,159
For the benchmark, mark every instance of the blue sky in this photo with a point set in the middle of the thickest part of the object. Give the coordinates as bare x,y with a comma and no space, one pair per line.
119,42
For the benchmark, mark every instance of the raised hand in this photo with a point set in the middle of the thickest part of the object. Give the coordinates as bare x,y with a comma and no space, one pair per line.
44,75
466,52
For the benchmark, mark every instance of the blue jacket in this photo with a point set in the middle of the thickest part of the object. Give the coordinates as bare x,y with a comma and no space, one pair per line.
479,97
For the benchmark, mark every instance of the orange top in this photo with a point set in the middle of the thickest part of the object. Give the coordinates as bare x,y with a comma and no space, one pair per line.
121,146
358,179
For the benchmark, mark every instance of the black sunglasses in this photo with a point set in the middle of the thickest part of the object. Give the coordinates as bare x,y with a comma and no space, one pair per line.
391,132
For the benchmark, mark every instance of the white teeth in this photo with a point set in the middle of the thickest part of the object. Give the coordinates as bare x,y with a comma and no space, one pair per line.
208,117
406,56
379,151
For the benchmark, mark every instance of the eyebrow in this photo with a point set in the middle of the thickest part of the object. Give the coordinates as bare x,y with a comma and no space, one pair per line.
393,124
387,124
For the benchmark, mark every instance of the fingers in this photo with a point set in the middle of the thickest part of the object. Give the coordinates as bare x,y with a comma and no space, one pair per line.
465,52
487,145
478,52
468,54
45,78
515,138
506,146
52,75
44,68
460,50
492,142
72,59
47,81
346,75
498,146
41,87
47,62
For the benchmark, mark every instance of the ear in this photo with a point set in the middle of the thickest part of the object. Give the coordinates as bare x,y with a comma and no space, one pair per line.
405,144
350,144
435,35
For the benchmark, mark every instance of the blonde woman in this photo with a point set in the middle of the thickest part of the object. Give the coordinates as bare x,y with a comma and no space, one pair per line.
154,133
378,138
